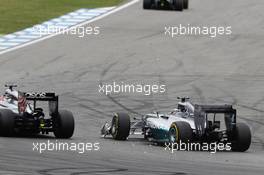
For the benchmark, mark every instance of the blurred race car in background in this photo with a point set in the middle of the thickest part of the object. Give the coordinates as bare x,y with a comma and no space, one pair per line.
186,123
18,117
178,5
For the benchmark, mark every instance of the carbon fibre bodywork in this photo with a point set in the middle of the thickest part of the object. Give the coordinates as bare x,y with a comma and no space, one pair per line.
24,114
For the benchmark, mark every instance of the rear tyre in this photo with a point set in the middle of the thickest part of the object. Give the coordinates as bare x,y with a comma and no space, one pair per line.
120,126
7,122
64,126
242,138
180,132
185,4
147,4
178,5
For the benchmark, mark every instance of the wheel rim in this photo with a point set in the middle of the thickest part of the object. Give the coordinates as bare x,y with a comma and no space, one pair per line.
114,126
174,135
113,129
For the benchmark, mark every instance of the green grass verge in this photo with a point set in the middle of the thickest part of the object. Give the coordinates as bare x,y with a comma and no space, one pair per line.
19,14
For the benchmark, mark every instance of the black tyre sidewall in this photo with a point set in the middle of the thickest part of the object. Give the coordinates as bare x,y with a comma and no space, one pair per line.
64,124
242,138
178,5
184,131
185,4
121,121
7,122
147,4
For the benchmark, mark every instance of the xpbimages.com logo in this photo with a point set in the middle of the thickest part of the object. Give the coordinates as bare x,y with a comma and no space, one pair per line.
79,31
79,147
193,146
184,30
145,89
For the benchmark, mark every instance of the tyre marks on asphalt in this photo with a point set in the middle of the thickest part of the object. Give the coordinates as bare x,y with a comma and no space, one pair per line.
104,170
80,171
101,81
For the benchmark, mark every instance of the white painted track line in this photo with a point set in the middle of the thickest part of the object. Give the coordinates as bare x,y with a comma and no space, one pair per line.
81,24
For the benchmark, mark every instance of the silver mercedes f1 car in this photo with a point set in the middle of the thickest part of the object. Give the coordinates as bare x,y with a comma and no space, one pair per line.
186,123
19,117
178,5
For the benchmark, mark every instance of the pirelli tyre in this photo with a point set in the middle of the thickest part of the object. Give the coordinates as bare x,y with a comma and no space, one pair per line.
178,5
64,126
241,138
147,4
180,132
120,126
185,4
7,122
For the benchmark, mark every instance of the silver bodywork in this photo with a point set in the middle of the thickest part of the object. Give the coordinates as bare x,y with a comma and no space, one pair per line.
155,126
164,121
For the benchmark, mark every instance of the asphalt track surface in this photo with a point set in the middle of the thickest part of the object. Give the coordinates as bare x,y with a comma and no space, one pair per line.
132,47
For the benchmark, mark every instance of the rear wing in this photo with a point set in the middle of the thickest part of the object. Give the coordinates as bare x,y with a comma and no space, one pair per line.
201,116
216,108
51,98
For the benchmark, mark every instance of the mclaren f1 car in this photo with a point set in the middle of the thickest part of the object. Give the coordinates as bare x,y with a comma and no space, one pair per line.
19,114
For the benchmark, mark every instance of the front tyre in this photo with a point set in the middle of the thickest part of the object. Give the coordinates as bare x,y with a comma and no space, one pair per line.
64,124
7,122
241,138
120,126
178,5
